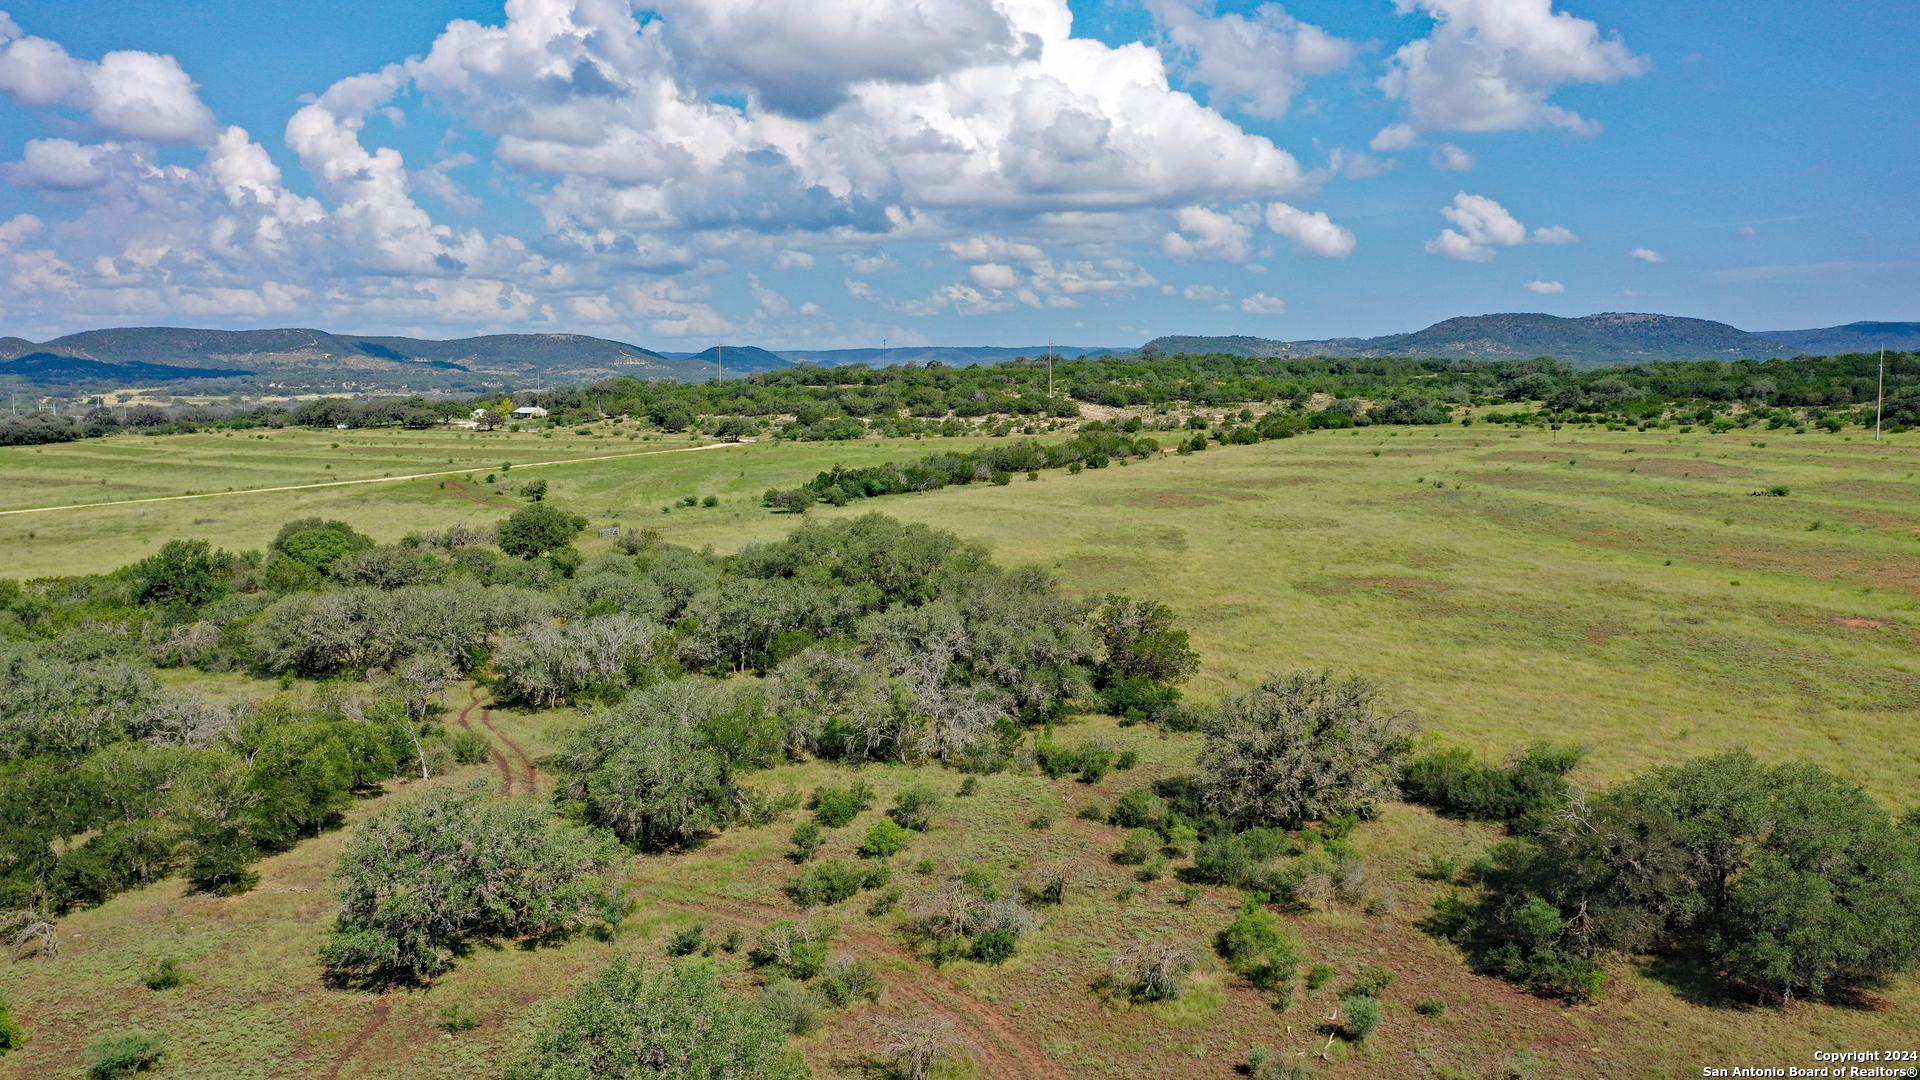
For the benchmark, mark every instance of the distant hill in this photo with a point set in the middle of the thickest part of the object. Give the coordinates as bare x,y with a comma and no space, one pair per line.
315,359
953,355
1592,340
49,367
1858,337
738,359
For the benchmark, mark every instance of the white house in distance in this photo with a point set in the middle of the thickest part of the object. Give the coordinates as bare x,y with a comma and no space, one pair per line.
528,412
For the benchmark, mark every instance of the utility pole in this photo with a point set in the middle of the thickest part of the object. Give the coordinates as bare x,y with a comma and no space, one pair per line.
1880,402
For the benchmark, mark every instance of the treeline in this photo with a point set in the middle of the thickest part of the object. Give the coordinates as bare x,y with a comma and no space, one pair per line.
823,403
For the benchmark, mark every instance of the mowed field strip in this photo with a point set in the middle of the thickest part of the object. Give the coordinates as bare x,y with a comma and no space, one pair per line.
349,483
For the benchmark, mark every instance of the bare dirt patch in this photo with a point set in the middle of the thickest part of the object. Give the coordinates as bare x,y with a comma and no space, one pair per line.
1522,455
1695,470
1873,489
1166,500
1858,623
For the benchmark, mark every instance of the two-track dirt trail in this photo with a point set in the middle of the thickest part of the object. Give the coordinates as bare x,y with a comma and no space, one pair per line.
528,776
999,1048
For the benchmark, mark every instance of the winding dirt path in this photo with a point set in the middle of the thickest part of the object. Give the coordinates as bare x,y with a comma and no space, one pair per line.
499,759
358,1043
999,1048
532,780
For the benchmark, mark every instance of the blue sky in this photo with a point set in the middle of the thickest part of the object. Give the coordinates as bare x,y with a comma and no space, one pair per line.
843,172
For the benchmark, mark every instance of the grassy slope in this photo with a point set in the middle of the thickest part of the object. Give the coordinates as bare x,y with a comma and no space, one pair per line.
1534,599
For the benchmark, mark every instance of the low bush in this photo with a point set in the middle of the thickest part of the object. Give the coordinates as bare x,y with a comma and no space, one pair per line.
806,838
1524,792
115,1057
1363,1017
688,941
164,974
1260,948
457,1018
630,1019
836,806
829,882
914,807
469,747
849,979
885,838
1139,845
1153,970
795,1005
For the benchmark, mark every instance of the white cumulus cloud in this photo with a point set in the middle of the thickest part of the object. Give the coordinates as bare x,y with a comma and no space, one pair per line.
1262,304
1313,233
1647,255
1451,158
1544,288
139,95
1257,63
1208,234
1484,225
1491,65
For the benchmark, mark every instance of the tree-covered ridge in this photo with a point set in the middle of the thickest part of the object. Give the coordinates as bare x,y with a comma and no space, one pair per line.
813,402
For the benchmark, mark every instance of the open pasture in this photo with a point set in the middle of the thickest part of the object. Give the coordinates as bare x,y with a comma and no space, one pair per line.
1626,591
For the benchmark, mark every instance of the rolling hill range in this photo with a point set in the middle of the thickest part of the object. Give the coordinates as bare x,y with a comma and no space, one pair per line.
1859,337
1589,341
306,360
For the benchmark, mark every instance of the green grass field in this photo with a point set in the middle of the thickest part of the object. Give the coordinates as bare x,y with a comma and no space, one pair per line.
1623,590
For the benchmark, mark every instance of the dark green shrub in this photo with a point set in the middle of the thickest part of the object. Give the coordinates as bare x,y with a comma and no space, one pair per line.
1260,948
835,806
164,974
1093,811
883,902
1363,1017
114,1057
688,941
1126,759
829,882
1526,791
1140,700
11,1036
1431,1007
1138,809
1237,859
806,839
1318,976
968,786
995,946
